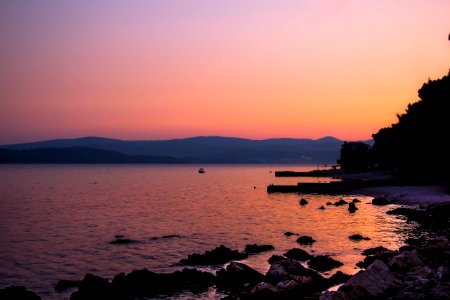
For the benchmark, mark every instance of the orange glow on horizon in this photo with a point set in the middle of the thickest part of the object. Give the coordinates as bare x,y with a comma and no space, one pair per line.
252,69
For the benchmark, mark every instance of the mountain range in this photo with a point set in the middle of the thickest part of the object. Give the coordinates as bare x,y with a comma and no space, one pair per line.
212,149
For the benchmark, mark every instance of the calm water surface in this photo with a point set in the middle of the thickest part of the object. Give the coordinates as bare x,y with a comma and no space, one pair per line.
56,221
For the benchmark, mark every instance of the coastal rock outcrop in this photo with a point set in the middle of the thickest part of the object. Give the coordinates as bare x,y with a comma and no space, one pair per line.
275,258
237,277
291,278
63,285
219,255
142,283
421,273
17,292
372,283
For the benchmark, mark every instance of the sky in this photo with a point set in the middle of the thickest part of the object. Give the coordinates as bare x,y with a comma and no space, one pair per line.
163,69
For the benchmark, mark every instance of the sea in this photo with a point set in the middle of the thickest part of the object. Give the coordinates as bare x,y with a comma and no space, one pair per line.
57,221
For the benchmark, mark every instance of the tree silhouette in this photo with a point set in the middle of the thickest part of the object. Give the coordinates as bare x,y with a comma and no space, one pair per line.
418,144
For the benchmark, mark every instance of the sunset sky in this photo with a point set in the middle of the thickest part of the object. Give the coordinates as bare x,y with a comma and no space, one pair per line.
245,68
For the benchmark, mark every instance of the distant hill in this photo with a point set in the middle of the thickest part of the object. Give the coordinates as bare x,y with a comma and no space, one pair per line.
77,155
211,149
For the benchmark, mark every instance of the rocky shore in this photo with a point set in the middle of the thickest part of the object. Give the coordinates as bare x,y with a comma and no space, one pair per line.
419,270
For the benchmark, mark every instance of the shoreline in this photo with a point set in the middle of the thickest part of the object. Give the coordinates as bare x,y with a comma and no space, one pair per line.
407,195
286,284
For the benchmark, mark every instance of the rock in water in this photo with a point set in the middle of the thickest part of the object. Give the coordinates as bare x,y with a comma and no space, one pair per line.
352,207
297,254
374,250
219,255
305,240
323,263
358,237
303,201
340,202
121,241
288,233
253,249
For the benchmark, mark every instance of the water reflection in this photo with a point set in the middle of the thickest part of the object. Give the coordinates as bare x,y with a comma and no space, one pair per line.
55,223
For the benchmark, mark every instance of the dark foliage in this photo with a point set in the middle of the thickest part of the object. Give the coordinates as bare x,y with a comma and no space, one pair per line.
417,144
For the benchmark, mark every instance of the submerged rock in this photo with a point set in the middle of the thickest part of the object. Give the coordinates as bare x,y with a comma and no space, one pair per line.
340,202
358,237
253,249
305,240
323,263
297,254
356,200
322,207
17,293
288,233
303,201
219,255
121,241
352,207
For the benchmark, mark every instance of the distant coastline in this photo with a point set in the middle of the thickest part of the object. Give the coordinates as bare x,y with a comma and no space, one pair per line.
79,155
204,150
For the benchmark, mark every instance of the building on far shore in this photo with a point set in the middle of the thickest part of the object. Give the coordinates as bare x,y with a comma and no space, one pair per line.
355,157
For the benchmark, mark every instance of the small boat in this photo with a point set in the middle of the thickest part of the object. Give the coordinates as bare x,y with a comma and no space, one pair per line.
201,170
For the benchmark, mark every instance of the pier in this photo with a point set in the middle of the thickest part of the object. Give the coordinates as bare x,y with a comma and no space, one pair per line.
332,188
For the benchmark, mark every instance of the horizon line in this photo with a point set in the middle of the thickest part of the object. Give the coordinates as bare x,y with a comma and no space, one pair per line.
183,138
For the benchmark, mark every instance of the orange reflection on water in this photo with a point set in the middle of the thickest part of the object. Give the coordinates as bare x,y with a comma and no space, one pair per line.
56,222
